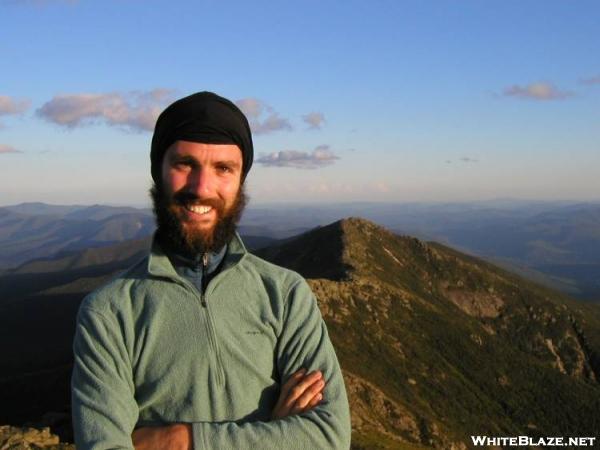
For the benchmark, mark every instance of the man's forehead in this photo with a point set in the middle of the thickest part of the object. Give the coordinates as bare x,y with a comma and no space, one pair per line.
181,147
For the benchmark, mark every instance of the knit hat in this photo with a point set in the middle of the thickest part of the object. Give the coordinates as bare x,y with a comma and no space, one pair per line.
202,117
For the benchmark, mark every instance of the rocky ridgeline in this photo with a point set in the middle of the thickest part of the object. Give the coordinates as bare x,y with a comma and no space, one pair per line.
23,438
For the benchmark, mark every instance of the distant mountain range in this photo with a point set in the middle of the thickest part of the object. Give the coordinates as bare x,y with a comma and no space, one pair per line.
35,230
435,345
553,243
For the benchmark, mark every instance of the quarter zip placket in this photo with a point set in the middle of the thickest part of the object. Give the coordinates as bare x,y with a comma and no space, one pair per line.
203,282
212,336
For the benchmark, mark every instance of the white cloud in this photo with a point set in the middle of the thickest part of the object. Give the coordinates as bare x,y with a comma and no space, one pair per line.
262,118
536,91
8,149
321,156
136,110
314,120
9,105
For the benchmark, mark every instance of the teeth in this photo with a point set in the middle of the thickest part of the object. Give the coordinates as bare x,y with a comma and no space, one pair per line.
199,209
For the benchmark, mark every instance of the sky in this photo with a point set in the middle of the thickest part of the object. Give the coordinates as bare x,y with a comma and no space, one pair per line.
387,101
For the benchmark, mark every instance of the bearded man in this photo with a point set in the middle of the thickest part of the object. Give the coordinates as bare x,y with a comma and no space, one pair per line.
201,344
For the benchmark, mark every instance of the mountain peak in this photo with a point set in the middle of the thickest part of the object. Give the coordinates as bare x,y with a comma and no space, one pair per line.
358,223
318,253
342,250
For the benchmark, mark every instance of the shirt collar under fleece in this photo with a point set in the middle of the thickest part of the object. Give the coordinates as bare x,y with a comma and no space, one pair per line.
161,265
193,266
192,269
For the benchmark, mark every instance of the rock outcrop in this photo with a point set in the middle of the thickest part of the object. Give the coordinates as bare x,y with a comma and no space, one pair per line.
23,438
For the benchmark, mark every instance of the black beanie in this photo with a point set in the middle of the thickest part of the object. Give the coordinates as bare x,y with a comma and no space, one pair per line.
202,117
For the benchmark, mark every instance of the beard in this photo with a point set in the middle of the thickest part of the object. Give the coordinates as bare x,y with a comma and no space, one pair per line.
188,240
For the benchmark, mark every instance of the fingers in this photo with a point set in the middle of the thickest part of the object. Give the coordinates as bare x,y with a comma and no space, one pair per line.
305,390
313,402
281,410
300,392
302,385
292,381
308,396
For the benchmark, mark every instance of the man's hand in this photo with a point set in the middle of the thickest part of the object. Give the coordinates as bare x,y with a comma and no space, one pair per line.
300,393
171,437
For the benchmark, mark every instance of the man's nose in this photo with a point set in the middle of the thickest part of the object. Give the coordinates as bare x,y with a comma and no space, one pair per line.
201,182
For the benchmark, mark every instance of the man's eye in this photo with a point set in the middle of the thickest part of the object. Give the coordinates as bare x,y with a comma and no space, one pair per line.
181,164
224,169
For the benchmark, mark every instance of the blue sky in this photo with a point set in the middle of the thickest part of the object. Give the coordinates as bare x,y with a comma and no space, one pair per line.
382,101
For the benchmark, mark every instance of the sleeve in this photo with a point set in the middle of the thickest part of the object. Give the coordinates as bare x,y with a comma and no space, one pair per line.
303,342
102,393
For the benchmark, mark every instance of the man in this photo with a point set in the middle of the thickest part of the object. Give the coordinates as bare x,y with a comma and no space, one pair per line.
201,344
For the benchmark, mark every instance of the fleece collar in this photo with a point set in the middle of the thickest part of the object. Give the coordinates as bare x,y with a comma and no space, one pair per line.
159,264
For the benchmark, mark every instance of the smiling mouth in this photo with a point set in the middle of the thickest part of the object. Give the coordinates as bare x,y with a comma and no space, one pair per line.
199,209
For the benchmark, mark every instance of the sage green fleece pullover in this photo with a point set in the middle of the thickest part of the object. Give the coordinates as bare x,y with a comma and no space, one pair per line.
150,349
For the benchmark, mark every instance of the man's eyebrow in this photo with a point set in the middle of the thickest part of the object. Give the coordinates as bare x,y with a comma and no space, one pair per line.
180,156
229,162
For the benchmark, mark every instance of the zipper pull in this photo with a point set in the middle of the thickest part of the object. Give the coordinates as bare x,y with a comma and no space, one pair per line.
204,266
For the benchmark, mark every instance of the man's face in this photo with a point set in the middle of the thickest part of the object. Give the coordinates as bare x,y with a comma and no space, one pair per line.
200,197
